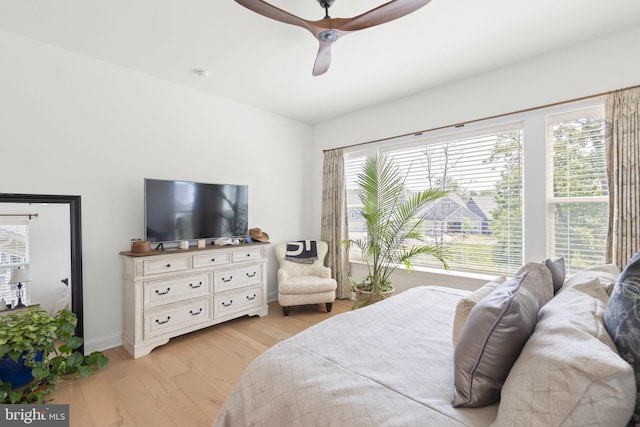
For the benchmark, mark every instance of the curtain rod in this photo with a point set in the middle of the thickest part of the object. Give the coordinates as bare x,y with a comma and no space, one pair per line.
29,215
462,124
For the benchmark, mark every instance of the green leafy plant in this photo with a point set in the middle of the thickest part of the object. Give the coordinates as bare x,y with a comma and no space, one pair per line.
393,217
48,345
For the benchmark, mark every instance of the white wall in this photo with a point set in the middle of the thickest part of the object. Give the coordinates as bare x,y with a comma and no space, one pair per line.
601,65
72,125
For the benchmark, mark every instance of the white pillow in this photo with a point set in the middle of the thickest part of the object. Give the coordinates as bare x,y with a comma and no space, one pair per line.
607,274
569,372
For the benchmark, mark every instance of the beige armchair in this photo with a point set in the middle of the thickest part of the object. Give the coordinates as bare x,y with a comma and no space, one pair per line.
300,284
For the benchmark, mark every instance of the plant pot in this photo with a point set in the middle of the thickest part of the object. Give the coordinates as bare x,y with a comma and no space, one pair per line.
16,372
364,298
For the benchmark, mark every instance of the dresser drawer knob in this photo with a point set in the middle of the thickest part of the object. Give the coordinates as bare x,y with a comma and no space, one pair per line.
168,265
227,305
162,322
227,280
195,286
252,298
191,312
213,260
252,274
163,293
248,254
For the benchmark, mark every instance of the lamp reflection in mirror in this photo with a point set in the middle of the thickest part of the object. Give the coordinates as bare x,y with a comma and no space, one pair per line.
18,277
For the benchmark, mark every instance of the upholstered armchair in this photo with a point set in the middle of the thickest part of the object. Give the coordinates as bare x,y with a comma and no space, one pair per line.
300,284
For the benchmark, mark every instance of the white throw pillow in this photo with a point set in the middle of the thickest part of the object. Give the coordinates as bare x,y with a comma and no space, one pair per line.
607,274
569,372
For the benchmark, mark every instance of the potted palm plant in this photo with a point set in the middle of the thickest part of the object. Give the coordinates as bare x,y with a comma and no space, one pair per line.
393,216
37,350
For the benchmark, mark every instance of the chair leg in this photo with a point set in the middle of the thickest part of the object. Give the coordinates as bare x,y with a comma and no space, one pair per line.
329,307
285,311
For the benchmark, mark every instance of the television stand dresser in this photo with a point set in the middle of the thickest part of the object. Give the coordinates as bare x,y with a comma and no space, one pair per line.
172,292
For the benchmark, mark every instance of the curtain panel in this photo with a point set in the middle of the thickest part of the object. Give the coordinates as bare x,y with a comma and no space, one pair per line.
622,141
334,219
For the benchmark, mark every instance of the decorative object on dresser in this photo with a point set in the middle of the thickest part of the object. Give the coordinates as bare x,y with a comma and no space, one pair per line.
173,292
256,234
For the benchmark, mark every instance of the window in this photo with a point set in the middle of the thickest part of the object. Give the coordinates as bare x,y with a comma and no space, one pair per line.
480,220
352,165
577,193
14,253
511,197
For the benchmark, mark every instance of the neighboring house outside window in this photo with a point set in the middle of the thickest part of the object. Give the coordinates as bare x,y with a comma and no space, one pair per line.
483,221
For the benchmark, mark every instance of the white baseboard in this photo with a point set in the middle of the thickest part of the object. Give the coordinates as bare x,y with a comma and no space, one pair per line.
102,343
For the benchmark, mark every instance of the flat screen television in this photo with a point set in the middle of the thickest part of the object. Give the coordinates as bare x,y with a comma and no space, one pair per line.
184,210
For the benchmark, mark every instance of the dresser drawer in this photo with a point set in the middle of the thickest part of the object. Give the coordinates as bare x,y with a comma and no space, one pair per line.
159,292
225,280
160,322
166,265
248,254
211,259
233,302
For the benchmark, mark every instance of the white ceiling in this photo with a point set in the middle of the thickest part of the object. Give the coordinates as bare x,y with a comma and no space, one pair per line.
257,61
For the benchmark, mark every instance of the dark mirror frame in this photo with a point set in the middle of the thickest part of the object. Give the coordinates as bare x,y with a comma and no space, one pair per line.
76,243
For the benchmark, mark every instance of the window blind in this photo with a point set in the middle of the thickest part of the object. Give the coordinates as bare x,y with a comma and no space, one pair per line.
480,221
577,192
14,253
353,163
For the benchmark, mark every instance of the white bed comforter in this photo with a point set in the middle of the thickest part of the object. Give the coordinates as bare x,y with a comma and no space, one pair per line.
389,364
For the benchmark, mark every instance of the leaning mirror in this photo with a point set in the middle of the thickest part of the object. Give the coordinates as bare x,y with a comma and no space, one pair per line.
42,235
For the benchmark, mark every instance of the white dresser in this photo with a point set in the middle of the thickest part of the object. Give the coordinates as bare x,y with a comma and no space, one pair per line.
173,292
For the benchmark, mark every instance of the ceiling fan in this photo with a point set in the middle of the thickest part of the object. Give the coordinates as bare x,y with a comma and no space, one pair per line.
328,30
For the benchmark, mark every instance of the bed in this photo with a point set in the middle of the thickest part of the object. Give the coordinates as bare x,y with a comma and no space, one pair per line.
392,364
386,364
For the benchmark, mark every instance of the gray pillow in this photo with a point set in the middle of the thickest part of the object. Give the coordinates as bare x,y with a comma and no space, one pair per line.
491,340
466,304
622,320
558,272
538,281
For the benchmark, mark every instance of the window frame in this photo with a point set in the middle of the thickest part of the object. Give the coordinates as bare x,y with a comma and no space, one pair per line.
553,201
535,165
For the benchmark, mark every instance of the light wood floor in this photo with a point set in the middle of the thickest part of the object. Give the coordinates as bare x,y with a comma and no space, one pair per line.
185,382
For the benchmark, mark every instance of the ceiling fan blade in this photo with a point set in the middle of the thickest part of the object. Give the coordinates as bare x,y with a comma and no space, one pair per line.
387,12
323,59
270,11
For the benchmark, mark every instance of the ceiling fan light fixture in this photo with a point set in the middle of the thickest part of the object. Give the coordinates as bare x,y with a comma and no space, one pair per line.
328,30
328,36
